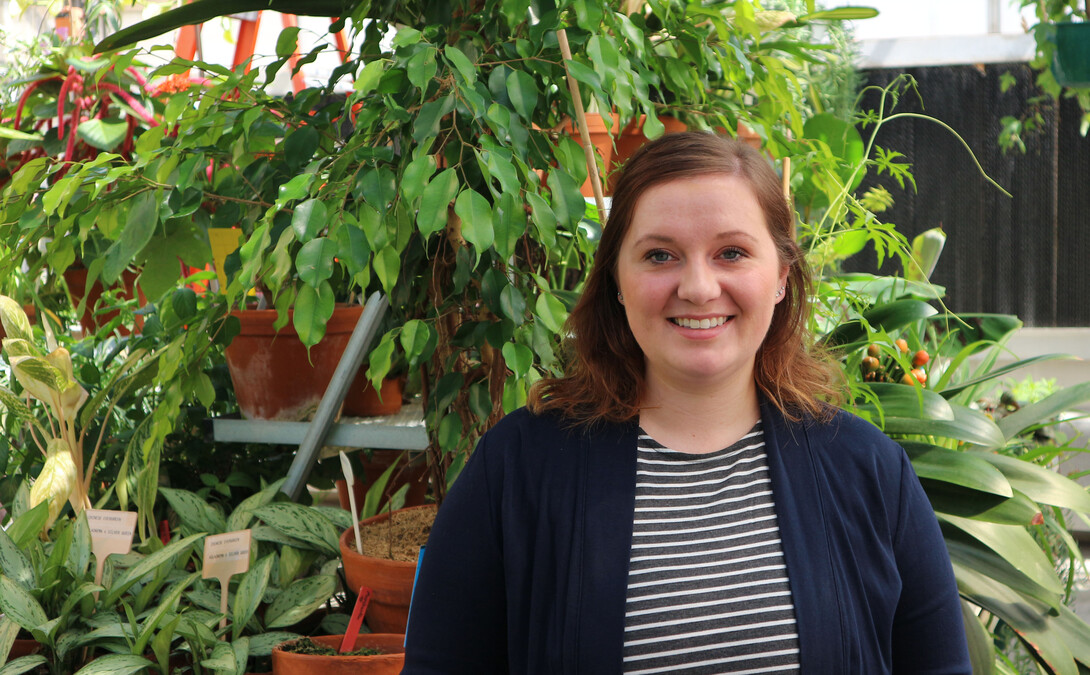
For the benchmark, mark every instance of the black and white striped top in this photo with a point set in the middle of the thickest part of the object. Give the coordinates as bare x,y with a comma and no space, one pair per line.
707,585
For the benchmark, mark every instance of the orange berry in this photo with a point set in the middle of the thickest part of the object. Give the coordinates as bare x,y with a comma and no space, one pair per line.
920,375
870,364
908,379
921,358
874,350
902,345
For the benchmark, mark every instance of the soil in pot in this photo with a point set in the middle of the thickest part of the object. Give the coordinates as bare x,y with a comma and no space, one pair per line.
390,659
388,564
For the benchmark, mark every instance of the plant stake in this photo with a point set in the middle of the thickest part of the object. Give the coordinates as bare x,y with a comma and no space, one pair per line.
352,632
226,555
584,133
350,479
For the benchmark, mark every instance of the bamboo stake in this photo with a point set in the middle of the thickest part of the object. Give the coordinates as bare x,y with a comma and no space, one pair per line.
584,133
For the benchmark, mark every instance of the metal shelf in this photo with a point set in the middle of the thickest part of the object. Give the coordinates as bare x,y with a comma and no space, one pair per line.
402,431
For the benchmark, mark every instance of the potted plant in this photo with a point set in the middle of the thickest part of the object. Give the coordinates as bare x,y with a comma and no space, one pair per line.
374,654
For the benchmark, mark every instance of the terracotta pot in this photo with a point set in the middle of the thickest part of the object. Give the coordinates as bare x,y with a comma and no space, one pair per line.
76,278
391,581
751,137
362,401
24,647
414,474
391,662
273,376
601,138
632,139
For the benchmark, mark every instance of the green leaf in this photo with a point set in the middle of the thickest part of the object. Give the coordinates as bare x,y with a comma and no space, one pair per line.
300,600
959,468
373,499
250,592
242,515
518,357
415,336
414,179
970,426
26,526
476,215
116,664
523,92
303,523
23,664
103,134
19,605
1014,545
308,219
432,215
300,146
513,304
1028,617
139,226
1036,413
431,114
840,14
889,317
194,512
163,556
262,644
313,309
315,260
463,66
288,41
387,265
551,311
898,400
981,648
14,405
971,553
14,564
421,68
1040,484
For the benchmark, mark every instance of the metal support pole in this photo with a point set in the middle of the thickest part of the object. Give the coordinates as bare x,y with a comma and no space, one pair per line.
350,362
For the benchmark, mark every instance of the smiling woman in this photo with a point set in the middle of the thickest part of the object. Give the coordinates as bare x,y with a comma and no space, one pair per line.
684,500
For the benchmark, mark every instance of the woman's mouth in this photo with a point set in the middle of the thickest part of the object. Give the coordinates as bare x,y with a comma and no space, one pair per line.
700,324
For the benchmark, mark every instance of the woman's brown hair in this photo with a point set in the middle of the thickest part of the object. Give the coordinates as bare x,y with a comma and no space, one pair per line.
604,377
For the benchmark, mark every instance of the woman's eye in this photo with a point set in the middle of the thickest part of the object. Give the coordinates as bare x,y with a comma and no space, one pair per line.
732,254
658,256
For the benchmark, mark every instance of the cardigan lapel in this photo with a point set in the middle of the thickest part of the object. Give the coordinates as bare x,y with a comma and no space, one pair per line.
797,489
608,502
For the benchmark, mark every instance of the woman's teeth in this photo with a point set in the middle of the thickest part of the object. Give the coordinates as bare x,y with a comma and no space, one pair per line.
700,323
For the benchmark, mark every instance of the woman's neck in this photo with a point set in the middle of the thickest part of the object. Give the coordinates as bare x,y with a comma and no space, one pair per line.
699,420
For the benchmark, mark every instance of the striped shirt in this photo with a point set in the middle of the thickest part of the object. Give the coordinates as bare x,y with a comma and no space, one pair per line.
707,585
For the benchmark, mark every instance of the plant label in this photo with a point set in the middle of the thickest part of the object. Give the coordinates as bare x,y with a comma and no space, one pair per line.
348,643
111,532
226,555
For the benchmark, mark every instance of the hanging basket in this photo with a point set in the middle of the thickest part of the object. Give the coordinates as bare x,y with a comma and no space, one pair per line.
1071,60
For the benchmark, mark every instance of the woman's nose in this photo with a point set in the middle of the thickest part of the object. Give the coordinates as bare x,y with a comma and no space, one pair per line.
698,283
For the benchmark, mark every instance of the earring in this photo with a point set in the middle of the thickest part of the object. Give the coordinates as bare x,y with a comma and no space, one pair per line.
779,293
620,297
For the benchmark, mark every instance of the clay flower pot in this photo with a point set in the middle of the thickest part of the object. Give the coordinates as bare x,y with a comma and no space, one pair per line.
388,663
363,401
76,279
391,581
273,377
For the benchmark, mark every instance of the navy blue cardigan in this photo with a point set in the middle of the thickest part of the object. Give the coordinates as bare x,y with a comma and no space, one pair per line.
526,567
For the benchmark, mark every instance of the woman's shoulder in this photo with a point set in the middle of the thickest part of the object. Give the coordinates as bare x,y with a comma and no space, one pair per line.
847,437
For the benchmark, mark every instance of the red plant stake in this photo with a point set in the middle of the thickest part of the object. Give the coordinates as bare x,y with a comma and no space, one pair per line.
353,630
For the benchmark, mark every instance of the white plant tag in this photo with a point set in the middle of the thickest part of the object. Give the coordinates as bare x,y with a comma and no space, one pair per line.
226,555
111,532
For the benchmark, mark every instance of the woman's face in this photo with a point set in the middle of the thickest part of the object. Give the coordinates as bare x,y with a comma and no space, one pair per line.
700,277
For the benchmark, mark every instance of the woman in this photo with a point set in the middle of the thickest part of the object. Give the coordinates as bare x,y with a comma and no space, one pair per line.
683,501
